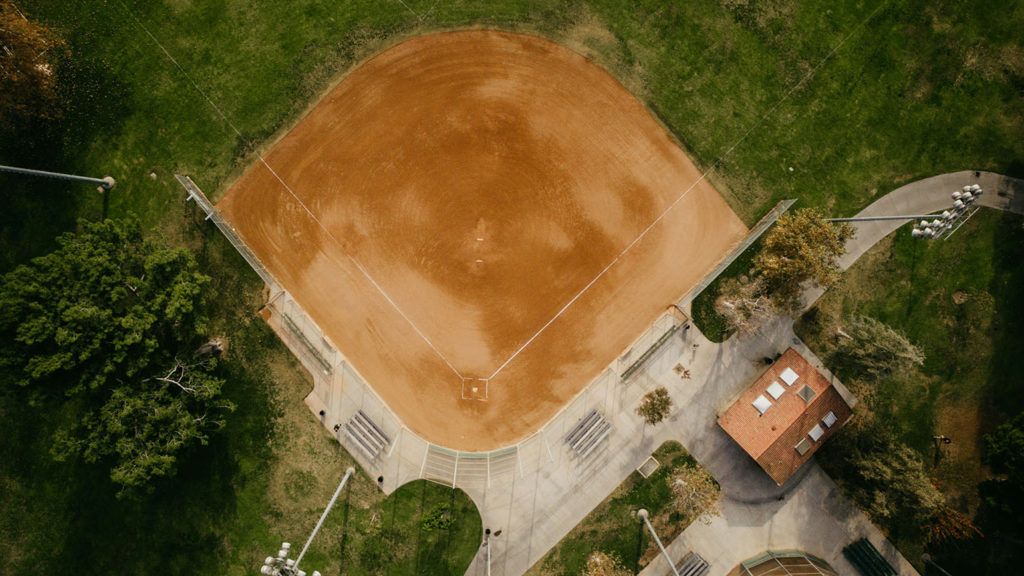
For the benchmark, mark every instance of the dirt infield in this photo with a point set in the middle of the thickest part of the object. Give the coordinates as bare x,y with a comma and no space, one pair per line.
464,206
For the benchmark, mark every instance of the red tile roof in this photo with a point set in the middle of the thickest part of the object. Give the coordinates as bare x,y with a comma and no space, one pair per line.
771,438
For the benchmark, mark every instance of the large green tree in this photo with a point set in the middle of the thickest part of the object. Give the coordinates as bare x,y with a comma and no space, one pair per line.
106,328
1004,453
885,477
876,350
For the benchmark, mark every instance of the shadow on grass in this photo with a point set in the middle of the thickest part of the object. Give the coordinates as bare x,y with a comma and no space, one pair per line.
1006,394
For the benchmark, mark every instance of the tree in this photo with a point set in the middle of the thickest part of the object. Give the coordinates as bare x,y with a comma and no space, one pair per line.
883,476
106,327
1003,452
695,493
801,247
601,564
655,406
949,526
744,304
875,349
28,52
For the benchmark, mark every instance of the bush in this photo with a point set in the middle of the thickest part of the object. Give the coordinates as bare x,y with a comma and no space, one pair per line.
438,518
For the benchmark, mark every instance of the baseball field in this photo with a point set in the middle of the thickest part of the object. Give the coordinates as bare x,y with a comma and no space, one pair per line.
481,221
834,103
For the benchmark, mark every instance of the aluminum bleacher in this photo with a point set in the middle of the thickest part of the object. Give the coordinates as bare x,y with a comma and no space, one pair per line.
588,433
369,436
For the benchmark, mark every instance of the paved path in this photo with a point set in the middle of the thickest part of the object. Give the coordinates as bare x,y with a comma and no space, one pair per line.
808,512
534,513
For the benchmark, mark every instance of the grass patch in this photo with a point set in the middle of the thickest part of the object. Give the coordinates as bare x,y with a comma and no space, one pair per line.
711,323
871,118
959,300
613,528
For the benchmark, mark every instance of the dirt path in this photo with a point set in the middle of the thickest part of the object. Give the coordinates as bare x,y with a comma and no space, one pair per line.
449,213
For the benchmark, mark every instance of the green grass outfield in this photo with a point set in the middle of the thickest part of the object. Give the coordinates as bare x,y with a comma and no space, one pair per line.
918,88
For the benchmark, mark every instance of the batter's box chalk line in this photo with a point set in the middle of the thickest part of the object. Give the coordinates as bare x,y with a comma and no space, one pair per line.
475,388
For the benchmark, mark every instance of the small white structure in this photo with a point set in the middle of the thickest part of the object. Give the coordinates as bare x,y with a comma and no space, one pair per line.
776,390
789,376
762,404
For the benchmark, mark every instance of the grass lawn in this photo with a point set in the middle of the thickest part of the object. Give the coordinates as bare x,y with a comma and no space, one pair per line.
613,528
971,380
922,88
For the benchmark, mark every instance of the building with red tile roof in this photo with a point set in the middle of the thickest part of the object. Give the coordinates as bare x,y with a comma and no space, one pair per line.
786,415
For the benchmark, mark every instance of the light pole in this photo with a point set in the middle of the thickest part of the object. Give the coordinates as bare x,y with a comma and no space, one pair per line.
282,565
104,184
927,559
643,516
940,222
487,549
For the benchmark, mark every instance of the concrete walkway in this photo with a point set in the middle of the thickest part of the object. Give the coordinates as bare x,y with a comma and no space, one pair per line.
807,513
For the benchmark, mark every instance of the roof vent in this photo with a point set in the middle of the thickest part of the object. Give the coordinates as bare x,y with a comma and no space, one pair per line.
803,447
807,393
816,433
829,419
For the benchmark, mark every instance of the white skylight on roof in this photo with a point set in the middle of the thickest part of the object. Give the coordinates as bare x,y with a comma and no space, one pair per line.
802,447
776,390
829,419
762,404
789,376
816,433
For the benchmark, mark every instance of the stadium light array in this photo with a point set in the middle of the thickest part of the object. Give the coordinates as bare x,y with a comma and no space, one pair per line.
962,201
282,565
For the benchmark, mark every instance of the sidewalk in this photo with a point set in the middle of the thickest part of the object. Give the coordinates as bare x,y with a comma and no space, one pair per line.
537,511
808,512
